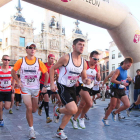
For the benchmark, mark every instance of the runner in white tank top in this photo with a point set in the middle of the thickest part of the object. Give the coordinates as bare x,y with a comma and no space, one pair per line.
71,65
30,68
93,71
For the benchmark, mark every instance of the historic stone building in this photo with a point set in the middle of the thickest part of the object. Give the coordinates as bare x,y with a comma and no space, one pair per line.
52,38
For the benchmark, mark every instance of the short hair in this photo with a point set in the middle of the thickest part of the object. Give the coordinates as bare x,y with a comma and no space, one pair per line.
5,55
121,63
77,40
138,70
94,52
128,60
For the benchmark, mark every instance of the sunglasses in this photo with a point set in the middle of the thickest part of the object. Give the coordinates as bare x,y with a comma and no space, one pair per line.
95,59
6,59
31,48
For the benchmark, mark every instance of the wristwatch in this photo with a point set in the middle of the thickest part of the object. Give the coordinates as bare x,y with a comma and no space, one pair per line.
45,86
122,83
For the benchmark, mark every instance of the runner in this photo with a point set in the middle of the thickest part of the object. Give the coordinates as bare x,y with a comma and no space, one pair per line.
71,66
30,68
17,94
118,91
96,91
6,89
93,72
46,95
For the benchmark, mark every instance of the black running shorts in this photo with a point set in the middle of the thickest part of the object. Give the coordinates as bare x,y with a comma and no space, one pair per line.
5,96
78,89
117,93
18,97
87,89
94,92
67,94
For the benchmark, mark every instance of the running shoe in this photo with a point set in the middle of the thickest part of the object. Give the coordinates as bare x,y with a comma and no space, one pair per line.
94,101
113,116
81,123
1,123
61,135
10,111
31,134
17,107
48,120
39,111
86,117
128,112
105,122
56,114
74,123
120,117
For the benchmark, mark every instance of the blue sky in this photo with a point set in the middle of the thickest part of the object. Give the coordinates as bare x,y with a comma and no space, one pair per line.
98,37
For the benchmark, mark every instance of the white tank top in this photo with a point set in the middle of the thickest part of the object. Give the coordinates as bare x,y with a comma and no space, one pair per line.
91,74
96,85
30,74
69,74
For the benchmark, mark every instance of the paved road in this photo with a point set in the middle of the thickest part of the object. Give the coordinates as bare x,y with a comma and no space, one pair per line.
16,127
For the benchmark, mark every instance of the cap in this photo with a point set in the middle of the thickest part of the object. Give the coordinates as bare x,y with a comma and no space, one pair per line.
30,43
51,55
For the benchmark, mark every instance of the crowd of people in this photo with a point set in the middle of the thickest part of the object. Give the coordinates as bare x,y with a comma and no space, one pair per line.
74,83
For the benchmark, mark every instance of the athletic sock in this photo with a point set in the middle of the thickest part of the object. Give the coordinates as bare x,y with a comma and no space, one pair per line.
31,128
46,107
59,129
42,105
132,106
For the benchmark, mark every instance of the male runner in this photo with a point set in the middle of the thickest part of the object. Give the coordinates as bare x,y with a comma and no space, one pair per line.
5,86
30,68
71,66
46,95
119,79
93,72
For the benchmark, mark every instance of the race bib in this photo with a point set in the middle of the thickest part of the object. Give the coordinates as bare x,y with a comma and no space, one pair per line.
72,80
31,80
5,83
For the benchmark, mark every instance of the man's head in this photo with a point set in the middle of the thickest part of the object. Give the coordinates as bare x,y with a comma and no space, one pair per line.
138,71
94,57
127,63
5,60
31,48
78,45
121,63
51,59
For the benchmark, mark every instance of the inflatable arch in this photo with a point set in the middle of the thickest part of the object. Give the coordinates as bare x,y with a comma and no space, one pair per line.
108,14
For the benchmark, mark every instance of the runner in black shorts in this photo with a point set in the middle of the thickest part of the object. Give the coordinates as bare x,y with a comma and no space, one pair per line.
5,86
119,79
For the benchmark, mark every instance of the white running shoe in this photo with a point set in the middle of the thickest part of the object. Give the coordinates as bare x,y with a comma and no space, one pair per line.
17,108
120,117
74,123
61,135
81,123
56,114
31,134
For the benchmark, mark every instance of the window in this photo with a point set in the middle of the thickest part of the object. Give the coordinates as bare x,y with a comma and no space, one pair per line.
107,65
103,76
107,73
113,56
22,41
6,42
119,55
113,66
103,67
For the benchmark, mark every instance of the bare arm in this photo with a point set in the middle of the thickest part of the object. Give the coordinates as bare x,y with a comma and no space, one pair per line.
109,76
98,76
14,75
46,78
83,73
114,77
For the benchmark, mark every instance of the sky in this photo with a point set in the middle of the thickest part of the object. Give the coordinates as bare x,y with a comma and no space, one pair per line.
98,37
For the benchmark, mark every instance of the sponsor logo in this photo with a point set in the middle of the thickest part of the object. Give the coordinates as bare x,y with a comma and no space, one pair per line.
136,36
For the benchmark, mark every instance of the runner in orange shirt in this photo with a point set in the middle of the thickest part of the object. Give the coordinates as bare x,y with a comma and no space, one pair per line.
30,68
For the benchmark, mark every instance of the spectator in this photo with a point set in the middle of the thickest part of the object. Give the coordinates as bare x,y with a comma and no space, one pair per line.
137,87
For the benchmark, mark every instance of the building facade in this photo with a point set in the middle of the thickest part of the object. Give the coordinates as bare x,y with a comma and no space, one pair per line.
52,38
115,57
